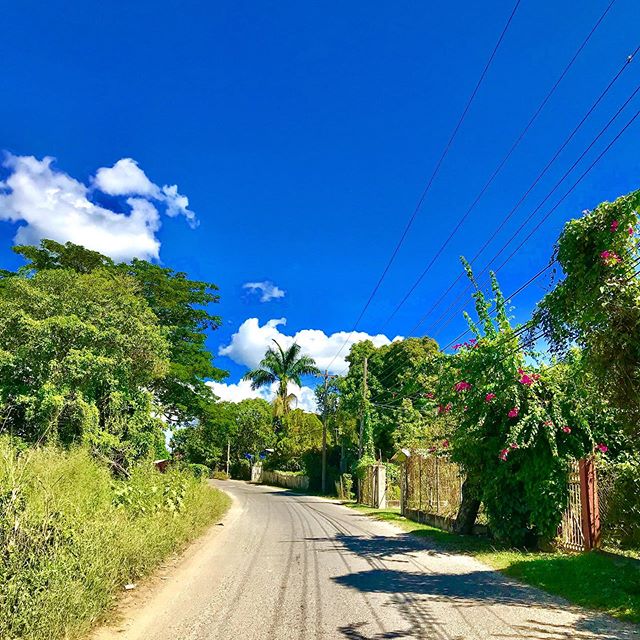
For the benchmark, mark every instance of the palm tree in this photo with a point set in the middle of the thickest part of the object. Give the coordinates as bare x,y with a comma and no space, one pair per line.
282,366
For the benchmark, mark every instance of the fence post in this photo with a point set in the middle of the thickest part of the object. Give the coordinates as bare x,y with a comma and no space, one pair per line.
420,484
590,506
437,487
380,493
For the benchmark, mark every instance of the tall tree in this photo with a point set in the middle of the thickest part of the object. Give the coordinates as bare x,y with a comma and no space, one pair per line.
78,354
282,366
181,306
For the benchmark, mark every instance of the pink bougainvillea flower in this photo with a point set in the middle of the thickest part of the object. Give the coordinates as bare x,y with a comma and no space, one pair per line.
445,444
473,340
526,380
513,413
489,397
457,346
548,423
444,408
610,257
521,371
630,230
463,385
431,449
566,429
602,448
514,445
429,395
503,454
614,226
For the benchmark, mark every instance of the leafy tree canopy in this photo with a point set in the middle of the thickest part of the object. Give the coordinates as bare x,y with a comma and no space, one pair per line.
78,351
181,307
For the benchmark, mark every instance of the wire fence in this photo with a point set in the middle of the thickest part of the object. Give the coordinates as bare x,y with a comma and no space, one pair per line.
619,501
602,506
432,485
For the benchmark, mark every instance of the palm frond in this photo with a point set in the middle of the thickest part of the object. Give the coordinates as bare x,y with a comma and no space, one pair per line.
259,378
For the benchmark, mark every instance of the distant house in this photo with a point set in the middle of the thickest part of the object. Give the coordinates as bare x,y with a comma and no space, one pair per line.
161,465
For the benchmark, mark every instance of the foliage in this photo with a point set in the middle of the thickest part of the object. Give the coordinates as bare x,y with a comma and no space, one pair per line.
71,535
200,470
301,433
78,352
619,489
282,366
516,426
346,486
597,303
246,426
400,378
181,308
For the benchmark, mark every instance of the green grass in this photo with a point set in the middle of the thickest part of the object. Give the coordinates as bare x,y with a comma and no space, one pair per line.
592,580
71,536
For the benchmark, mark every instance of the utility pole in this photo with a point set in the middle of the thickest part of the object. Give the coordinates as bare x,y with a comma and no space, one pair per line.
363,410
326,377
228,454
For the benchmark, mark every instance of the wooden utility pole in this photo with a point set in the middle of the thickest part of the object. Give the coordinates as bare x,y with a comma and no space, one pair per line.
228,454
326,377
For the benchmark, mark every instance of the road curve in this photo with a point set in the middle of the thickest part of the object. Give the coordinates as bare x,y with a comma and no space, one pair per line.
295,567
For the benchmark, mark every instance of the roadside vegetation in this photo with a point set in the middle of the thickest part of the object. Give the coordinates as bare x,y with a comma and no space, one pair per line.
72,535
97,360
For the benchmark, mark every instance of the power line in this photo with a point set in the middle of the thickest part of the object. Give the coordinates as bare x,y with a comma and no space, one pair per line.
530,189
508,155
431,179
546,216
602,131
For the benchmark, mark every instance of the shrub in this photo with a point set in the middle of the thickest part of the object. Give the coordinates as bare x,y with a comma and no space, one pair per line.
200,470
241,469
71,535
220,475
344,487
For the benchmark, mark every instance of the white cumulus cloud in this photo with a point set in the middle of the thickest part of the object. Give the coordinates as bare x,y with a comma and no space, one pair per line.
234,392
250,342
268,290
48,203
127,178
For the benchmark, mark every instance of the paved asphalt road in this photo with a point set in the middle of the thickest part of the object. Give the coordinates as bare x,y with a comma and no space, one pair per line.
295,567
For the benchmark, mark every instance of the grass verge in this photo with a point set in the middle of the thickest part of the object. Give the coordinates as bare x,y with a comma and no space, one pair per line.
71,536
592,580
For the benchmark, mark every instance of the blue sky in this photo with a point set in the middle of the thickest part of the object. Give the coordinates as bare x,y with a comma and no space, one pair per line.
302,134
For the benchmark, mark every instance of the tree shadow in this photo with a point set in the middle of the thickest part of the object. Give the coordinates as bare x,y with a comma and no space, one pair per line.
354,631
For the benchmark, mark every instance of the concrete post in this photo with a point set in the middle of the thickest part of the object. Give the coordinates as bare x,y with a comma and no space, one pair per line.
380,486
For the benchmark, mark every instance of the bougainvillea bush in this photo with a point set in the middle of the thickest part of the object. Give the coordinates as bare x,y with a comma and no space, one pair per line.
517,423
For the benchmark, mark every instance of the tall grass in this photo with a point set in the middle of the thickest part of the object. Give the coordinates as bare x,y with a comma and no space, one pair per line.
71,536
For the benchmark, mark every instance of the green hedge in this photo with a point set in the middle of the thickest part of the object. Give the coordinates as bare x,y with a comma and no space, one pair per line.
71,536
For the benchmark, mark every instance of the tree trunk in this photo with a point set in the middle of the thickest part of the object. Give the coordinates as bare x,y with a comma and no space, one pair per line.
469,506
